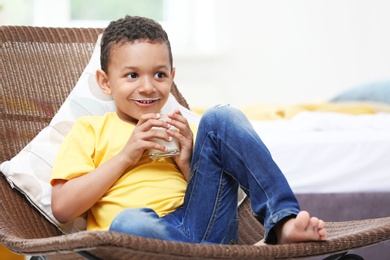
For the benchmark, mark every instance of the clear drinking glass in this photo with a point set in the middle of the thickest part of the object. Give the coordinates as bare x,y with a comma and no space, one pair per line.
172,146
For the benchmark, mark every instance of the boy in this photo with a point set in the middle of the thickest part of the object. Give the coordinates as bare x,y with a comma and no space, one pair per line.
103,166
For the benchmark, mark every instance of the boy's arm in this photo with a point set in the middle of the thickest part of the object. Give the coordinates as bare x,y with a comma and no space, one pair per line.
72,198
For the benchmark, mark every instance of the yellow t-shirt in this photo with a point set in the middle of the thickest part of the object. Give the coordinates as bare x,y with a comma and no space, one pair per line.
155,184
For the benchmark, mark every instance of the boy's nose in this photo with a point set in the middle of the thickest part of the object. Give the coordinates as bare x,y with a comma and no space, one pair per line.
147,86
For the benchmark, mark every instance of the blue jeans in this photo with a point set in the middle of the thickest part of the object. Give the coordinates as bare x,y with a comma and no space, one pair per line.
228,153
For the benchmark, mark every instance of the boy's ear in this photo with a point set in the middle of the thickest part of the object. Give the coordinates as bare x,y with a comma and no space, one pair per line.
102,80
173,73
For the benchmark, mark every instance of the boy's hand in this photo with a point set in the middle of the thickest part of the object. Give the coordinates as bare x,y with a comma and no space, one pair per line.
185,138
141,138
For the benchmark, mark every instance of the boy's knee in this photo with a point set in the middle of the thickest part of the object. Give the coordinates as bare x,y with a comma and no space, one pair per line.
220,114
216,112
132,218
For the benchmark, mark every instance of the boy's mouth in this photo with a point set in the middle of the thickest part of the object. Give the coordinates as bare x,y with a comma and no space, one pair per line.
146,101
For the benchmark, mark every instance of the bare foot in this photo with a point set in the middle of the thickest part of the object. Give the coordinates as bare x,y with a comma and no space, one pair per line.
302,228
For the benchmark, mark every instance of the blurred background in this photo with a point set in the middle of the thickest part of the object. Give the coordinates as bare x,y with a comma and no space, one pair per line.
247,51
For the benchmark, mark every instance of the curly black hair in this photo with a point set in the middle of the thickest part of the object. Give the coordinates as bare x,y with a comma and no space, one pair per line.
131,29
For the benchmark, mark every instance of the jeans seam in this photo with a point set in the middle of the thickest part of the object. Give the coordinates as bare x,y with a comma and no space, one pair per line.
215,209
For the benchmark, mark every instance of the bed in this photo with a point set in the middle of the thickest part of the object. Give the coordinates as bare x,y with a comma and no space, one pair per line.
331,152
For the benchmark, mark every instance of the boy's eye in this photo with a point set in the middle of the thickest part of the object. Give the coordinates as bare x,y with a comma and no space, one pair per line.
132,75
160,75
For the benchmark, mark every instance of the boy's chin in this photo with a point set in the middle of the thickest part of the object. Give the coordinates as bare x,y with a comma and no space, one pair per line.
128,118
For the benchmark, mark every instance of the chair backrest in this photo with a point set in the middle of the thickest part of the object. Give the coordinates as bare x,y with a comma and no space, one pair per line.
39,67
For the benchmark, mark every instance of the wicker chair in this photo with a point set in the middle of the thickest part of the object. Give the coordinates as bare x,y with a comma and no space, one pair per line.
23,51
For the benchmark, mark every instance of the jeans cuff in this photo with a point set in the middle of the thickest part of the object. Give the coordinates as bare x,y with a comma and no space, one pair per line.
270,235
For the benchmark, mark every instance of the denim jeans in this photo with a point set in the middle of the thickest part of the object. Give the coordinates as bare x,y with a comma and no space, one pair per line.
228,153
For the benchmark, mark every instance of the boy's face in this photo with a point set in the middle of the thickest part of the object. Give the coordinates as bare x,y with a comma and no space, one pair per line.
139,78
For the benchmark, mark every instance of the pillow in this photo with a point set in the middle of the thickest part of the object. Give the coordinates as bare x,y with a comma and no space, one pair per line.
376,91
30,170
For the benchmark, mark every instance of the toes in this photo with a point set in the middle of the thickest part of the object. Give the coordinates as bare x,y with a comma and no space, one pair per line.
303,228
314,221
322,232
302,220
321,224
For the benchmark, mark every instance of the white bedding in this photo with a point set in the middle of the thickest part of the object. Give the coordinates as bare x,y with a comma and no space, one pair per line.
331,152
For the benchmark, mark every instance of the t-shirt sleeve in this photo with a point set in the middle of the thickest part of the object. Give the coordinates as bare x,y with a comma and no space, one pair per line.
75,156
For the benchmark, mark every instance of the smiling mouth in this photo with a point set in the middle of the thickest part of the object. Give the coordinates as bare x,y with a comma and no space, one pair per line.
145,101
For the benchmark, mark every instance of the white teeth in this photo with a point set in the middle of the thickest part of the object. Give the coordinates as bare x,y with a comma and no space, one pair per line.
146,101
